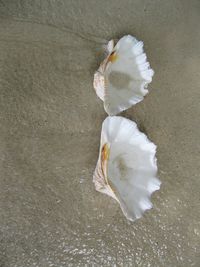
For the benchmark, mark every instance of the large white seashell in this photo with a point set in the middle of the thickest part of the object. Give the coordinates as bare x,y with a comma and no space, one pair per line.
122,78
126,169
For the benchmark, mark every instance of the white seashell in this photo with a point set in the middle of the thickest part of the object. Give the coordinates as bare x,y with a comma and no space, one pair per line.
126,169
122,78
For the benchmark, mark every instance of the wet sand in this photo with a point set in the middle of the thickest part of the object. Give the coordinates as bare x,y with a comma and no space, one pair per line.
50,121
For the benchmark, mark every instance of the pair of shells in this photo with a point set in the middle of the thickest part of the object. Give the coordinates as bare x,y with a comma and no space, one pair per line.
126,169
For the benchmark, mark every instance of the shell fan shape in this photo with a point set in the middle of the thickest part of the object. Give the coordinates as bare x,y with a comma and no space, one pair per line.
126,169
122,78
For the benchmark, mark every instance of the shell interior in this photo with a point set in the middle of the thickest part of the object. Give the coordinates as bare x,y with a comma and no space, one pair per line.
126,169
122,78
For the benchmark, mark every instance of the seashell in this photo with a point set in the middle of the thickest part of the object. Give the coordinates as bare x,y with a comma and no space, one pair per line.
126,169
122,78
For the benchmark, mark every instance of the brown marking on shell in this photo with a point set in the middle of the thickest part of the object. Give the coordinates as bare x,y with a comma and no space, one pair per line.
105,151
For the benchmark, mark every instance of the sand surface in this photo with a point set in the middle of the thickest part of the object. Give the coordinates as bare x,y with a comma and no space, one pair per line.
50,121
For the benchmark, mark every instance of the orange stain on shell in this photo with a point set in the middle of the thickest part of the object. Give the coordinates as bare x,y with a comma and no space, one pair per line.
112,58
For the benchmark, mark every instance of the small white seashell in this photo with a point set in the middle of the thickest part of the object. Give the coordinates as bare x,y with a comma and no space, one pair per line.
126,169
122,78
